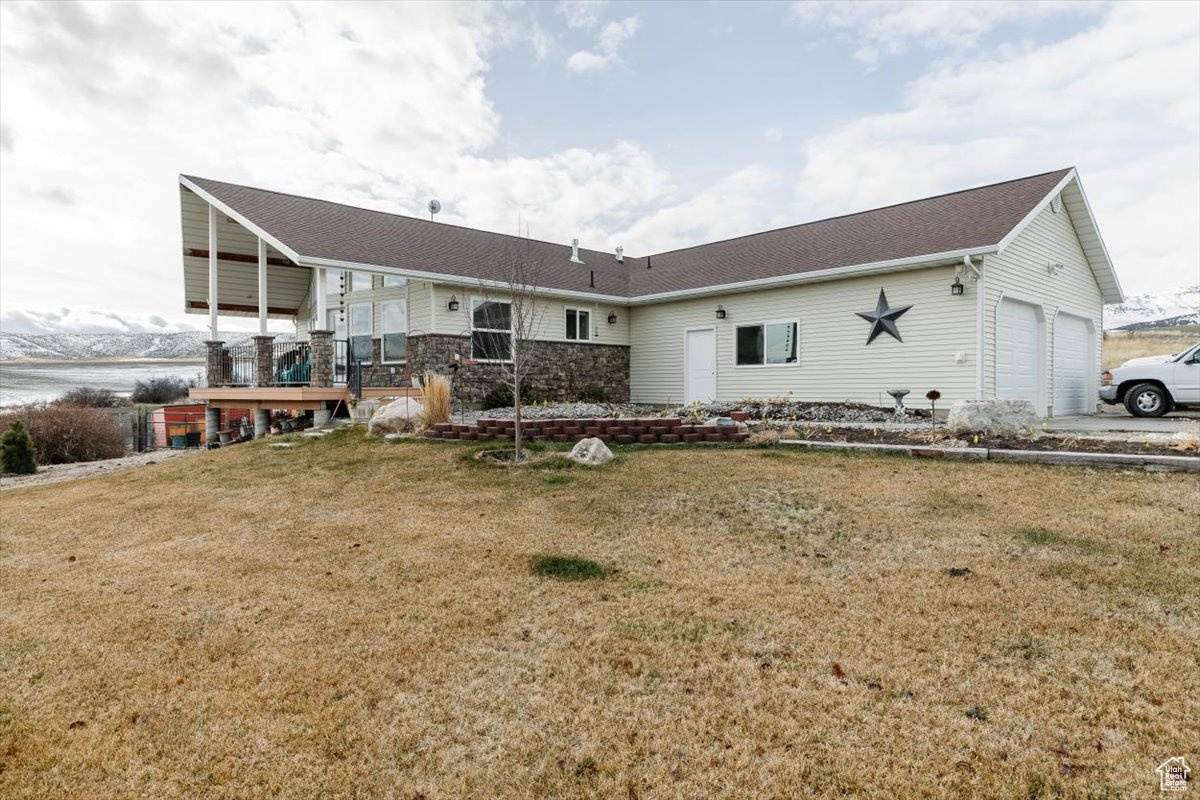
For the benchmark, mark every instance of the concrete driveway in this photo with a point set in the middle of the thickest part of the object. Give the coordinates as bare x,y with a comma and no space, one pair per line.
1118,422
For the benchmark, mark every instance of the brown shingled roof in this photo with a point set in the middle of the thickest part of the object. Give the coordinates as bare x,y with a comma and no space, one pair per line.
973,218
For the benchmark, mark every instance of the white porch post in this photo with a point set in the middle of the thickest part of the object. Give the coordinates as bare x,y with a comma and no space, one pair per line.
212,272
262,287
322,300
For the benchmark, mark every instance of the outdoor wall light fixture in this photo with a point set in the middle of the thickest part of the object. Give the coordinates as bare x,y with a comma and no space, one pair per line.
612,318
720,312
957,287
453,304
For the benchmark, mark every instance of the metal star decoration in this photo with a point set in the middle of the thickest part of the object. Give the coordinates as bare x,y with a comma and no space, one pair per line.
883,318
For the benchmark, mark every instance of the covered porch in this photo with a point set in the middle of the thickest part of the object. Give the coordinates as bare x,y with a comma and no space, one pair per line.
234,268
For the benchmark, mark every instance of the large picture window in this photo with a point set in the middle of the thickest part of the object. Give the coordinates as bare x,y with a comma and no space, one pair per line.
770,343
394,317
360,331
579,324
491,330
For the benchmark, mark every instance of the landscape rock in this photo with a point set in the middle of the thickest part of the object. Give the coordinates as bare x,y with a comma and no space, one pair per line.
992,416
591,452
397,416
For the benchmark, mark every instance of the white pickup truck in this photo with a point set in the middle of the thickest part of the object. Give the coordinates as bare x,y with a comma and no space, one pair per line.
1154,385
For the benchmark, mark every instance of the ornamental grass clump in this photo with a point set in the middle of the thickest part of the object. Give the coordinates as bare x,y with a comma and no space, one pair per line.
436,403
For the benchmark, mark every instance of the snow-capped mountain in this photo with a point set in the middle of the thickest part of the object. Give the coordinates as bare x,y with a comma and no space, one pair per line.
84,346
1170,308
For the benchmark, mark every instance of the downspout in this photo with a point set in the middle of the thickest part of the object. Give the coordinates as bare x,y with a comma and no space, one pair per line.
980,294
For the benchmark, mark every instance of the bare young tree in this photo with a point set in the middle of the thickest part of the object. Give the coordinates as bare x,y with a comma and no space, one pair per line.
504,326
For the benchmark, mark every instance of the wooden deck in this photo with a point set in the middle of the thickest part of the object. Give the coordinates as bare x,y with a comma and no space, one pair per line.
295,398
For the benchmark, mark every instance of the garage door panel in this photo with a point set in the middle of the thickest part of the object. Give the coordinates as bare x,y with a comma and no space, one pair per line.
1074,390
1017,352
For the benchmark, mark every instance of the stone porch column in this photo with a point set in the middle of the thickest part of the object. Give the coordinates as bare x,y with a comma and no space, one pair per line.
212,362
264,358
321,343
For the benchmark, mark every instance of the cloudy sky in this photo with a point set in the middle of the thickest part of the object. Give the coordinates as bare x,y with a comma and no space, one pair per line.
651,126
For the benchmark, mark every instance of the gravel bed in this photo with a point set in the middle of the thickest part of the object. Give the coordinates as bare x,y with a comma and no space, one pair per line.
795,411
564,411
757,410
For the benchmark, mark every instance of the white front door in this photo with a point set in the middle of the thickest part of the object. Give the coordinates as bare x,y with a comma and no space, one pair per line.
1017,352
1074,368
700,367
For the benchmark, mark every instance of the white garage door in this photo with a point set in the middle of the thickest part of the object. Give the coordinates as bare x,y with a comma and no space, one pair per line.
1074,389
1017,352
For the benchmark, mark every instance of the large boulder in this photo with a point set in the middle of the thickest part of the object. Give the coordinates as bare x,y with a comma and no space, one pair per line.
591,452
397,416
992,416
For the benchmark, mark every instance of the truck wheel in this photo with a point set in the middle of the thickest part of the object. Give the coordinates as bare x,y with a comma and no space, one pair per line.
1147,400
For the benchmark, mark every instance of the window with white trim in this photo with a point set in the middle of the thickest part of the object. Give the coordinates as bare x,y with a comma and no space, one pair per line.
766,344
337,324
360,331
394,319
394,281
360,282
578,324
491,330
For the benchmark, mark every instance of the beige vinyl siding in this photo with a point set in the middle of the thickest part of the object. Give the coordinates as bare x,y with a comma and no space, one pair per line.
834,362
550,313
237,282
1020,272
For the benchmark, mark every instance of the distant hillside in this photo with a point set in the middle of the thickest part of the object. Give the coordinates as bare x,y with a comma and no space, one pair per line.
1166,309
91,346
1182,321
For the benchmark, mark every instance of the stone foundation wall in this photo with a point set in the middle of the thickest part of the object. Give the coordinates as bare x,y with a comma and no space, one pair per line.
562,371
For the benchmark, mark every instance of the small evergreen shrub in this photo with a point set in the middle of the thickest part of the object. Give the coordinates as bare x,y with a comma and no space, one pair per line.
499,396
16,450
159,390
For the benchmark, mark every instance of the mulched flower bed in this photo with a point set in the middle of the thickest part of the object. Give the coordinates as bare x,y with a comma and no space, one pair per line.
942,438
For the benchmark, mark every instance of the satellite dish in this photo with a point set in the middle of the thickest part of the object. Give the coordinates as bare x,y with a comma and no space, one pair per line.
434,207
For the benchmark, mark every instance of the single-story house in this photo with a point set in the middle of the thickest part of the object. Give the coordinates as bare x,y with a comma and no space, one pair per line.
996,291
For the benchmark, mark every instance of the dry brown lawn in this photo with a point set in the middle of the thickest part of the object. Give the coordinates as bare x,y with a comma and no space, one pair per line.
359,619
1120,346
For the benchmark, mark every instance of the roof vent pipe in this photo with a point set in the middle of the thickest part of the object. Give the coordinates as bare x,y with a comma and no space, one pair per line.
575,252
621,255
592,279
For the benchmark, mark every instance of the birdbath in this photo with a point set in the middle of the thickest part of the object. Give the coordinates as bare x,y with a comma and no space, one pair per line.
898,396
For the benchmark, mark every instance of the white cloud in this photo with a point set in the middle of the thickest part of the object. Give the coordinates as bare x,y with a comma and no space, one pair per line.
395,111
774,134
541,41
608,49
734,206
581,13
1121,101
883,28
